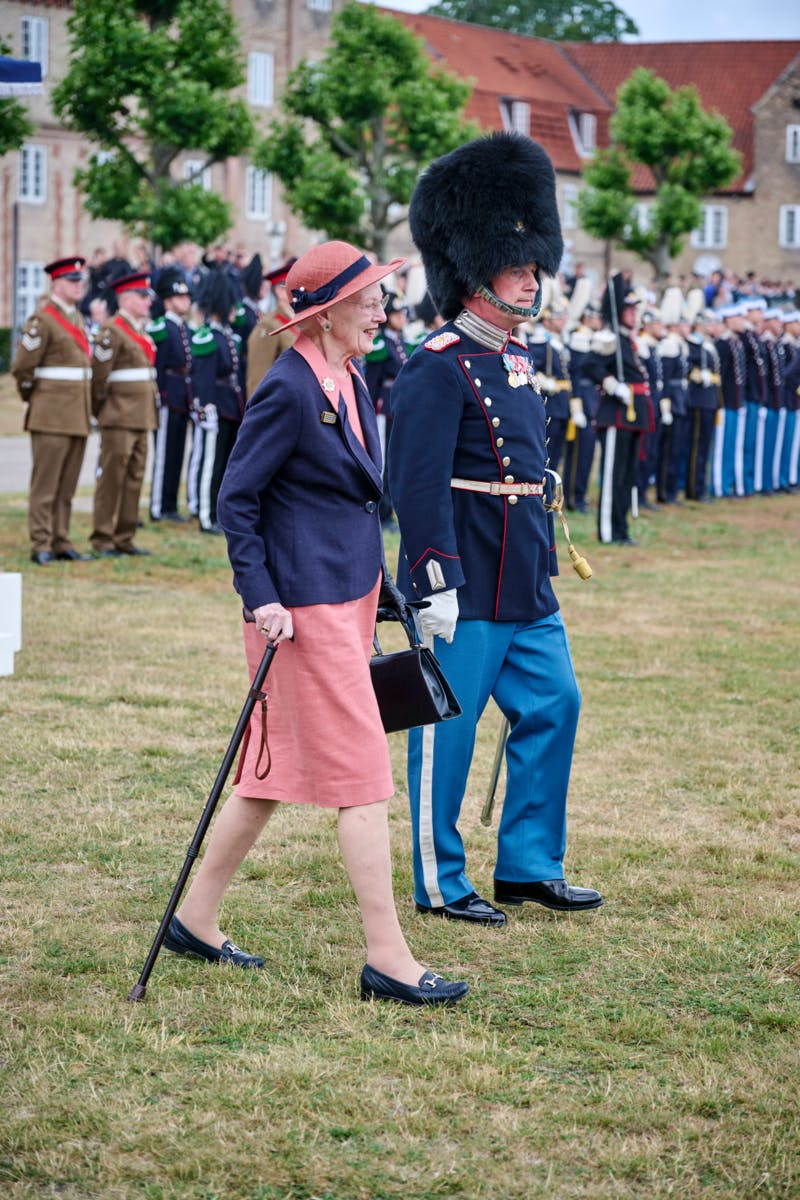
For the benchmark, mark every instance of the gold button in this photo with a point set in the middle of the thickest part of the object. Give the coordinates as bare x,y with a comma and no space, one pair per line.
513,499
495,421
500,442
508,479
506,461
488,402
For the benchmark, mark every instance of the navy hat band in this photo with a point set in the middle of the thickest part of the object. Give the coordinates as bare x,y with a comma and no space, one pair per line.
301,299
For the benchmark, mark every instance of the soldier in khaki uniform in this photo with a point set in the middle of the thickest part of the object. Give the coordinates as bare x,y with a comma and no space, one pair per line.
52,367
123,401
262,347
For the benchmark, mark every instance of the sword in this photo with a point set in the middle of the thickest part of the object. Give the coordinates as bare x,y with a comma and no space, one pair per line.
488,804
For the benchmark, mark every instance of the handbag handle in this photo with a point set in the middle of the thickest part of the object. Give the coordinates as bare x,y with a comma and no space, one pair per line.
411,628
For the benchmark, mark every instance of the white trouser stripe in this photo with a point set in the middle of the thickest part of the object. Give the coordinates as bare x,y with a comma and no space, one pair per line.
427,844
607,488
157,489
758,466
776,458
206,471
738,452
794,453
716,461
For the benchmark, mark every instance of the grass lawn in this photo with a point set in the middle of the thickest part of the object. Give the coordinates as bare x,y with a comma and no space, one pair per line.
650,1049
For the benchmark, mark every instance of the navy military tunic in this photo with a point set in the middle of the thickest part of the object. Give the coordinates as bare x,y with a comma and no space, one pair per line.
462,410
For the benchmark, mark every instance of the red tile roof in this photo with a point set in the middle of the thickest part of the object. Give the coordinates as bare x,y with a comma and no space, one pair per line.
729,76
504,66
554,78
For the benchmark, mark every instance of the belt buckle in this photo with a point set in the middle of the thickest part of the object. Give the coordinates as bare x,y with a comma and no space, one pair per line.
495,489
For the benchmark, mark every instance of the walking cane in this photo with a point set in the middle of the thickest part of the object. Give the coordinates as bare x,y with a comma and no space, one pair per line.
138,991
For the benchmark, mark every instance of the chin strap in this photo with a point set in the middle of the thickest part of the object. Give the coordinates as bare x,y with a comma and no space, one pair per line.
512,310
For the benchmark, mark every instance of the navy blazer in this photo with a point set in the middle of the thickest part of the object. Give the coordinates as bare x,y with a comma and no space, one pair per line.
457,413
299,498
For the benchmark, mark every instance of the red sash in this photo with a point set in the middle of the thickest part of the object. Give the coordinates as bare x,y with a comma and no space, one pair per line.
142,340
77,335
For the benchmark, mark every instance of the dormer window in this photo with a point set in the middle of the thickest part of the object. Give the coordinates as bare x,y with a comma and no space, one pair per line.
583,127
516,116
793,143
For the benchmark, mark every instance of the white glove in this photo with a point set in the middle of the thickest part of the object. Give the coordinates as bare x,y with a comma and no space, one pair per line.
440,618
547,383
209,419
610,385
576,413
665,406
623,393
706,377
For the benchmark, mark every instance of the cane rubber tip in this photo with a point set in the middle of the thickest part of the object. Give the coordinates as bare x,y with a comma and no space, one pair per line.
136,993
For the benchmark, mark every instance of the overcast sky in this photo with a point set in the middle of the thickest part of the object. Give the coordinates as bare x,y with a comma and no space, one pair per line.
693,20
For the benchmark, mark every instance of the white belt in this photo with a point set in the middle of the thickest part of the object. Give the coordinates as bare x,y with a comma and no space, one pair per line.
63,373
498,489
132,375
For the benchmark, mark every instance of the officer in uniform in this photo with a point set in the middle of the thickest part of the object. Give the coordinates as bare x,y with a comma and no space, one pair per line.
52,368
172,337
124,403
625,410
468,470
551,357
790,454
262,347
381,367
580,451
218,393
775,424
755,390
702,400
651,334
674,353
727,462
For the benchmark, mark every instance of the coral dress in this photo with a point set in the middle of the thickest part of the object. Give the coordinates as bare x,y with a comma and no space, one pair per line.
325,739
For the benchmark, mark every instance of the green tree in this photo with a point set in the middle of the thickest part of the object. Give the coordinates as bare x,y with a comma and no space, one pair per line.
689,155
360,124
15,124
148,80
559,20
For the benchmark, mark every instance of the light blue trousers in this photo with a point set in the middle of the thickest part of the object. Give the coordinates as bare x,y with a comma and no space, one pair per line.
527,668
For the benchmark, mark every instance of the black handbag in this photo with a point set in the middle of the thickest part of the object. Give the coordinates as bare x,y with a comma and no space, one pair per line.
410,686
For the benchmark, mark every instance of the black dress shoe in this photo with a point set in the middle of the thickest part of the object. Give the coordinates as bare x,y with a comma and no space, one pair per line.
469,908
112,553
552,893
175,517
180,941
431,989
73,556
42,557
625,541
133,550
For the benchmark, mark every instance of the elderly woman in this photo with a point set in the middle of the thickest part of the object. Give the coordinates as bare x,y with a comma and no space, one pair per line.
299,508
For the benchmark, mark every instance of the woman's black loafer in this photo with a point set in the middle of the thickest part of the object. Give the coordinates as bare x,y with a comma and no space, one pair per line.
432,989
180,941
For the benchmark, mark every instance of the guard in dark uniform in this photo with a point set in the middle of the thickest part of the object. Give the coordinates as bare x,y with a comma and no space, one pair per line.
755,393
790,454
382,365
217,389
625,410
468,474
52,368
173,341
248,313
580,451
674,433
648,340
727,461
702,400
551,356
775,424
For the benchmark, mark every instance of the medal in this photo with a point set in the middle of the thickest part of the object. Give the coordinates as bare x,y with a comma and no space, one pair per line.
518,369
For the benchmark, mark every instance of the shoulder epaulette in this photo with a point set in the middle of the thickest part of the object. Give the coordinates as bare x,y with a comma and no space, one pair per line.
604,342
203,342
519,342
669,347
157,329
441,341
538,337
580,341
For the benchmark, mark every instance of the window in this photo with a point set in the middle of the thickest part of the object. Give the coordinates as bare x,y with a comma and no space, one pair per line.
259,194
202,175
569,203
789,232
793,143
33,174
260,76
583,126
643,212
712,233
31,284
319,5
34,41
516,116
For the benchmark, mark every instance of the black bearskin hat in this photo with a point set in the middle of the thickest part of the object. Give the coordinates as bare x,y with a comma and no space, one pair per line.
623,296
486,205
252,277
216,295
171,282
